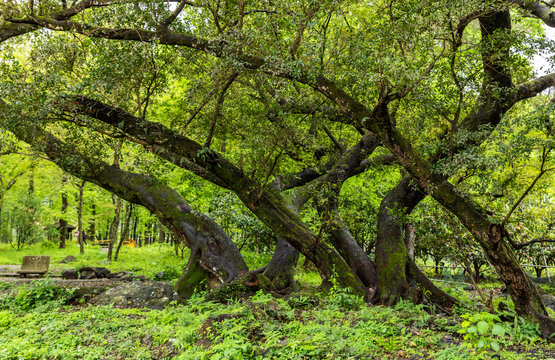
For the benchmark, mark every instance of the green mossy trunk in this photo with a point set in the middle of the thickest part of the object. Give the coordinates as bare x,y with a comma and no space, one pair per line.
398,275
280,271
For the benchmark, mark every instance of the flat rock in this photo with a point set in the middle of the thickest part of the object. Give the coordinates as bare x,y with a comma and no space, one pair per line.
93,272
67,259
121,275
70,274
138,294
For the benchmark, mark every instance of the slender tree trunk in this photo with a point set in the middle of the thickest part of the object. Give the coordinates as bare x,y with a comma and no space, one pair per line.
135,224
115,226
63,221
161,234
80,218
125,231
92,223
477,266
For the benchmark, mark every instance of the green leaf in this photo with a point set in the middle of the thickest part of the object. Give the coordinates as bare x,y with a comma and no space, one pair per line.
498,330
483,327
465,324
495,346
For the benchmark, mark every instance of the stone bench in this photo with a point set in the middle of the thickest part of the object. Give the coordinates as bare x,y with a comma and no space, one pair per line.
34,265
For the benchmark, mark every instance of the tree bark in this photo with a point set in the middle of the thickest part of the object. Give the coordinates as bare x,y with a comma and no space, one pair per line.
391,253
269,206
80,219
125,231
281,269
113,235
63,221
213,250
410,239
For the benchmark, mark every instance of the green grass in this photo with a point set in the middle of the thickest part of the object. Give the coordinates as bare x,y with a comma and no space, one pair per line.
146,260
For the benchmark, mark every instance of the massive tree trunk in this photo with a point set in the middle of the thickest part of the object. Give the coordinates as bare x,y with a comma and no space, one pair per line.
398,275
280,270
494,101
391,253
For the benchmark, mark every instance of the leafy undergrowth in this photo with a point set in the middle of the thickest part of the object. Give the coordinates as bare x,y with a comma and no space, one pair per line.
36,322
339,326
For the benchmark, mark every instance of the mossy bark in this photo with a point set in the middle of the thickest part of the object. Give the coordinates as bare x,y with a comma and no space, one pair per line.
194,278
269,206
398,275
280,270
213,250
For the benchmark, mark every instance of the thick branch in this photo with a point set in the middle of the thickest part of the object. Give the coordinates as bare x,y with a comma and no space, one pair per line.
539,9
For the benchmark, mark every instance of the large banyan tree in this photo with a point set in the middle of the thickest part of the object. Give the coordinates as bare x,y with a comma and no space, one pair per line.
281,103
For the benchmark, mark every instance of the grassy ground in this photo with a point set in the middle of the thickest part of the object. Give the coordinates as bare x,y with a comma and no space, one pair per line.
146,260
40,322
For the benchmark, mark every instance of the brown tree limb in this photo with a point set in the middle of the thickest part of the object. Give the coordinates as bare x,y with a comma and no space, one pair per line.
217,109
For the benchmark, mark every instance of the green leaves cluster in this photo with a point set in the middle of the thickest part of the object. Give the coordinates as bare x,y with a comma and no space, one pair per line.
487,331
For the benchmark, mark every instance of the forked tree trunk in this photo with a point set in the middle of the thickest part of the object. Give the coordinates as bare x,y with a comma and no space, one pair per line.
398,275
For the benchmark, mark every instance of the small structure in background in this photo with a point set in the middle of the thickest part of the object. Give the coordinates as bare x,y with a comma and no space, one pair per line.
105,243
32,265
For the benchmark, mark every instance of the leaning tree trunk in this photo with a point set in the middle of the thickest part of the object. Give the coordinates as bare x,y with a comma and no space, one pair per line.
343,241
215,258
269,206
328,188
